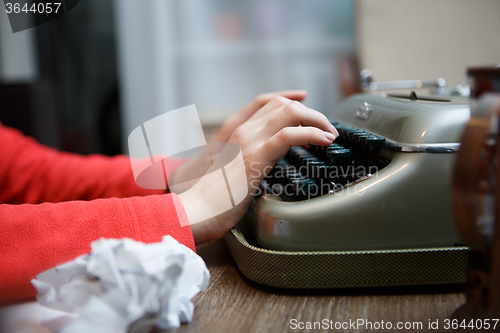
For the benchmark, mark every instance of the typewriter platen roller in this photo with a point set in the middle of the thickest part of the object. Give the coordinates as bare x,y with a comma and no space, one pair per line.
383,184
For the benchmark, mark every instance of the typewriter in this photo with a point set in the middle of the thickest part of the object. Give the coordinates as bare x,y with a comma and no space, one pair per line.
383,184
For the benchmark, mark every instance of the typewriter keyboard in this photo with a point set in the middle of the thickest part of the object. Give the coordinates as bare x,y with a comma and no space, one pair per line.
311,171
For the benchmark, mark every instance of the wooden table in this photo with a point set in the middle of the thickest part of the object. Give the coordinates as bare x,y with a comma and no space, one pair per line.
235,304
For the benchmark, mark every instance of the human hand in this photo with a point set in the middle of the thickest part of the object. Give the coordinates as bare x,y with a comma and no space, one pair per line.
263,136
189,172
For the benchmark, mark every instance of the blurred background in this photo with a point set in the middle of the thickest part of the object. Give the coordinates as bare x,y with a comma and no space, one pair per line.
84,81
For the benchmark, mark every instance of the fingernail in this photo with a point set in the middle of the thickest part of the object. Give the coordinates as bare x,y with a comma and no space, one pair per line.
335,130
330,136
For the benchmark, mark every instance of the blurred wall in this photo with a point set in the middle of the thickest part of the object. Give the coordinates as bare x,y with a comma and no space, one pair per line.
18,56
427,39
220,54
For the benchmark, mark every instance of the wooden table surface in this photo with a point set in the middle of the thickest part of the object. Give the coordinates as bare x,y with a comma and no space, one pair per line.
232,303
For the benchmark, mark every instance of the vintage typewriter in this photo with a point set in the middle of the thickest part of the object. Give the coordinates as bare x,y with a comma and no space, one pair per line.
383,184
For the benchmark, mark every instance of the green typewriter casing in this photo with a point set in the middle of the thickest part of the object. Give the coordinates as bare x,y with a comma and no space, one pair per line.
400,213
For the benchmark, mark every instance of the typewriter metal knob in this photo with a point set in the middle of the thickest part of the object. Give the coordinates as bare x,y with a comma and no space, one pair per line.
364,111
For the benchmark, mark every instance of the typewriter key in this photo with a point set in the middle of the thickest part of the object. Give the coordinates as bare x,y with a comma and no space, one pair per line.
362,139
353,133
337,156
312,165
321,171
334,146
352,152
375,141
304,188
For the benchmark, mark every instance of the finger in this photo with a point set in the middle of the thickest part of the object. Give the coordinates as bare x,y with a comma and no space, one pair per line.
231,124
295,114
274,98
275,103
277,146
263,99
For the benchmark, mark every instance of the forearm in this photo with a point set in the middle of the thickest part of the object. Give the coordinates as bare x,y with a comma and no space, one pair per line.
35,238
32,173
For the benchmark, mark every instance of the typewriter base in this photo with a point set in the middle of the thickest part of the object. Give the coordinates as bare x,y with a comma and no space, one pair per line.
346,269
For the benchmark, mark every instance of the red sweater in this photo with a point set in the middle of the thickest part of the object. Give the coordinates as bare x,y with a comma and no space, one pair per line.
51,209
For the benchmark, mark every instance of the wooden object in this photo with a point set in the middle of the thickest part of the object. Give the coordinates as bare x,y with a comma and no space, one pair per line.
476,199
232,303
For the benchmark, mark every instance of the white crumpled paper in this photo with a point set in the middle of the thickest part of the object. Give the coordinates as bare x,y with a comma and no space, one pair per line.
125,286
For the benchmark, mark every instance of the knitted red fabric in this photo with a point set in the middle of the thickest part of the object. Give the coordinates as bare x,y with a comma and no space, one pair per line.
52,207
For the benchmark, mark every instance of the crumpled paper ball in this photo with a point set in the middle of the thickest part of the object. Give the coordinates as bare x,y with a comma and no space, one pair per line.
125,286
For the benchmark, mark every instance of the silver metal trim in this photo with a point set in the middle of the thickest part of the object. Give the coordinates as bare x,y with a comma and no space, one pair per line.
367,77
423,148
407,84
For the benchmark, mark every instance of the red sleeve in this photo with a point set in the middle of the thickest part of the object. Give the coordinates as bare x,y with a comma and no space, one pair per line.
33,173
36,237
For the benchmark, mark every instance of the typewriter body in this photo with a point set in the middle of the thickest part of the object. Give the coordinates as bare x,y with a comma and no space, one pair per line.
383,184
